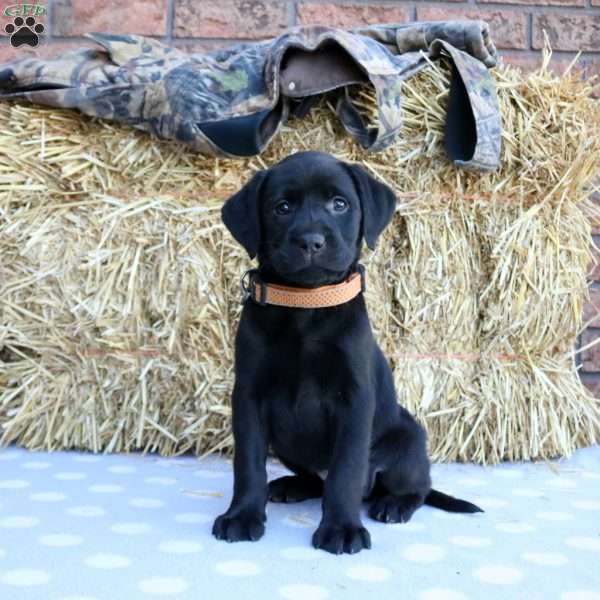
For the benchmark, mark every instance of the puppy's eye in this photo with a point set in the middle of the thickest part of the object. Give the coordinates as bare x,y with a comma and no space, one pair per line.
340,204
283,208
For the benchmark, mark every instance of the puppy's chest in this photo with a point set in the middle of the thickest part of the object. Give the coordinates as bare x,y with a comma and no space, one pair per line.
300,372
300,396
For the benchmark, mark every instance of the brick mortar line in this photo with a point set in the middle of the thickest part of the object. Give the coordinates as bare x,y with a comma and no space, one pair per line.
291,10
49,10
170,20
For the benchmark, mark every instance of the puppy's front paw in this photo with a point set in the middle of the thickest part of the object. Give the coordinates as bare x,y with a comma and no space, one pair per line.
336,538
239,528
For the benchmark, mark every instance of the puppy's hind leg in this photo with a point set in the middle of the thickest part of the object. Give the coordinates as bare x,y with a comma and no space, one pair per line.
295,488
402,482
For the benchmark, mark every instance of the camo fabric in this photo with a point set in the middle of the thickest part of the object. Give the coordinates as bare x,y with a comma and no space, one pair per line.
231,102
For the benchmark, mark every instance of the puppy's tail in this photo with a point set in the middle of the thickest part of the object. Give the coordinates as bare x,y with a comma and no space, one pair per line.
450,503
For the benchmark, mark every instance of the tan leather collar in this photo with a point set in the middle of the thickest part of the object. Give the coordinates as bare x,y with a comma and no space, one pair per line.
294,297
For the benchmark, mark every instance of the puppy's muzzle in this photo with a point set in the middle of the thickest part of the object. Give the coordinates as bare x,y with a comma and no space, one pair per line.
310,243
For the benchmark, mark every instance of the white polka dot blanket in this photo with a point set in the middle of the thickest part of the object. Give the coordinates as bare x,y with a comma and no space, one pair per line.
78,526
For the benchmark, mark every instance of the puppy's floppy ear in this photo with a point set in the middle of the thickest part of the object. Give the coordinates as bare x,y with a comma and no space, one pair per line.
241,214
377,202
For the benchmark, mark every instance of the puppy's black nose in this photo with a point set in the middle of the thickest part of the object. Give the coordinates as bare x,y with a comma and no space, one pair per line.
311,242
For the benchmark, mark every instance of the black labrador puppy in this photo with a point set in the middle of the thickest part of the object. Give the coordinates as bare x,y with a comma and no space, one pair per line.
313,383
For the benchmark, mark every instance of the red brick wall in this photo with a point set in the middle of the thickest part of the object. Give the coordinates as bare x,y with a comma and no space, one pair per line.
195,25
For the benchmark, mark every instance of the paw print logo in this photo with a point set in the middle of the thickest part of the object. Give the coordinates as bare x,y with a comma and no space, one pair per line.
24,31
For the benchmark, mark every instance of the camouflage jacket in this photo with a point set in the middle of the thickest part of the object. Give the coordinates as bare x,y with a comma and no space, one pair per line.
231,102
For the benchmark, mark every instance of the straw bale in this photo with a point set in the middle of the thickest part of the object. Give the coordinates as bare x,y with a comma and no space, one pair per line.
119,287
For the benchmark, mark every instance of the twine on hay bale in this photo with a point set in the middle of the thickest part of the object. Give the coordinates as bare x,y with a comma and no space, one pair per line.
119,290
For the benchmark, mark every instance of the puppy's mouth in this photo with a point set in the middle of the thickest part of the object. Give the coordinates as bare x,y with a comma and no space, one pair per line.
307,269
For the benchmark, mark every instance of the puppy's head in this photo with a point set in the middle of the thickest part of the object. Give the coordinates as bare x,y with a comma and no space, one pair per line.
306,217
